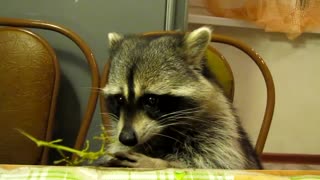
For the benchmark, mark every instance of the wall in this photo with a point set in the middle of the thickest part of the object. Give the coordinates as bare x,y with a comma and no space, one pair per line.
294,66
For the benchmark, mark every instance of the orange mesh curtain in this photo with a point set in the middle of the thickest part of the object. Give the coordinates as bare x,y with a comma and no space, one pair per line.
292,17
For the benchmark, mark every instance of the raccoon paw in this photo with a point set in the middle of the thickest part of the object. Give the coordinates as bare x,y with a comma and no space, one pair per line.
136,160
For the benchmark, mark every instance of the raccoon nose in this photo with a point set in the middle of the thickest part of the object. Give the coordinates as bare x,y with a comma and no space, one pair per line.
128,137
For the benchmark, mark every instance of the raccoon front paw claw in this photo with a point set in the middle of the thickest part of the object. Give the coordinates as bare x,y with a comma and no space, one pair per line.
136,160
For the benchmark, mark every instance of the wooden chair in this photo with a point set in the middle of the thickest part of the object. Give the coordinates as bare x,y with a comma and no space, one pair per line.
29,83
254,56
220,67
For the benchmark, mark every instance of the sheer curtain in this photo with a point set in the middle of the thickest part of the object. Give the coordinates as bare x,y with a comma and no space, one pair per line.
292,17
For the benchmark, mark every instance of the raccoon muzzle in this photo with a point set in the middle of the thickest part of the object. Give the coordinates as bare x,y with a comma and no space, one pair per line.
128,136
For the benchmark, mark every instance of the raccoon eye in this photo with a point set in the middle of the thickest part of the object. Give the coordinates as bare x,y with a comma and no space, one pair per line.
120,99
151,100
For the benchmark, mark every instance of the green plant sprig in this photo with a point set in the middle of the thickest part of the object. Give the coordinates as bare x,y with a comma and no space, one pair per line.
82,155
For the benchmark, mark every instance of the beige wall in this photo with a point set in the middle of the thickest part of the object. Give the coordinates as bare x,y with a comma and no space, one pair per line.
295,69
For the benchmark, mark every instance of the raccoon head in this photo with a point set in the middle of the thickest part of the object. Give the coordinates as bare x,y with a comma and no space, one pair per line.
153,81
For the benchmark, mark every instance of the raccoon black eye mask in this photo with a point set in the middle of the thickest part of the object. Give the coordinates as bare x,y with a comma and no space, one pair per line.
163,110
155,106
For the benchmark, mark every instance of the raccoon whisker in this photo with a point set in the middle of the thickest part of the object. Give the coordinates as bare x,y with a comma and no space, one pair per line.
173,124
179,131
175,118
194,119
106,128
159,134
112,115
180,114
186,117
171,120
113,118
187,127
107,125
183,110
107,113
190,110
109,131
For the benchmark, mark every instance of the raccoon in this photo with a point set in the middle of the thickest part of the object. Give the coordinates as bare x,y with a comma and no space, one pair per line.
164,110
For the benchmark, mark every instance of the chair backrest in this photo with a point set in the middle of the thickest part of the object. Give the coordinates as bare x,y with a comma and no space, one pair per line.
17,68
220,67
29,82
254,56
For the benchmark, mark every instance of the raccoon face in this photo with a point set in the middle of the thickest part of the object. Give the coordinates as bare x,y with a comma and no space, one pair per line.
153,82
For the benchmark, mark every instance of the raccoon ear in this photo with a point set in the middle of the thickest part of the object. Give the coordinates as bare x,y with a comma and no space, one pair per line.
196,43
114,38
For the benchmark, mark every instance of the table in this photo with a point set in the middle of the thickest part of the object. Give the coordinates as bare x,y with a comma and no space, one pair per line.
32,172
